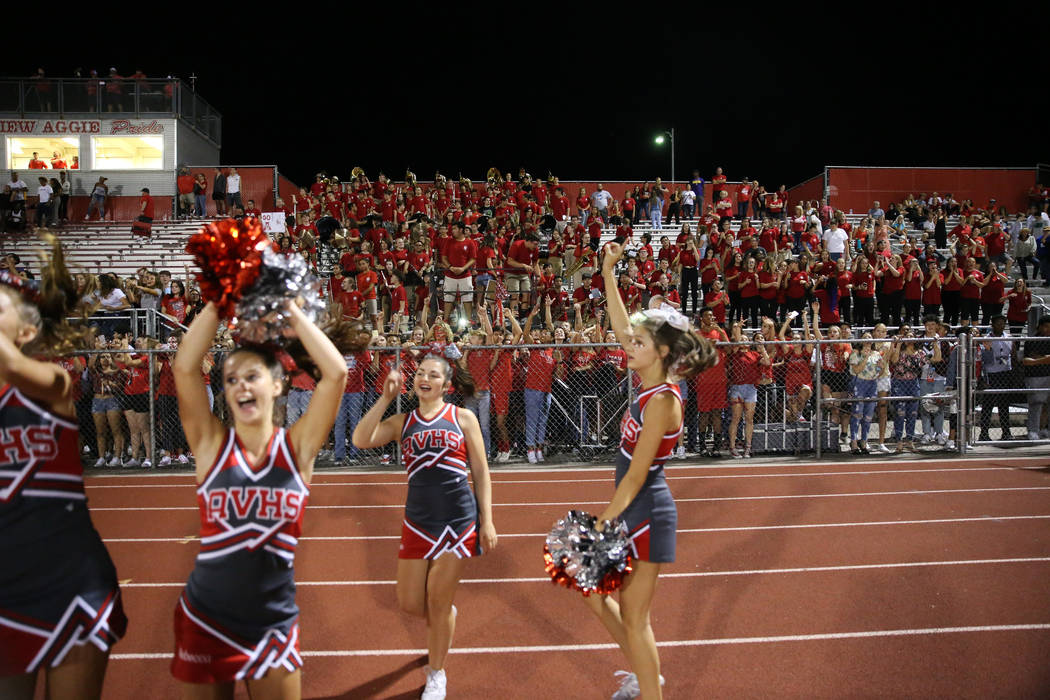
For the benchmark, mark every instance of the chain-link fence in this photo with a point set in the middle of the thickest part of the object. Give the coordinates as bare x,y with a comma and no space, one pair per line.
563,402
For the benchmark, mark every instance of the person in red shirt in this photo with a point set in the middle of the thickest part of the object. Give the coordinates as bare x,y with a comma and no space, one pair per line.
718,185
560,205
35,163
56,161
798,374
184,184
717,301
797,284
459,256
970,294
992,293
724,208
479,363
747,284
367,284
951,291
931,290
743,198
710,387
891,272
745,372
914,281
252,210
146,210
522,261
538,379
1018,301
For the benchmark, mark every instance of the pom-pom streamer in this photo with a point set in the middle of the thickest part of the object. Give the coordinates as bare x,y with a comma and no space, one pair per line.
250,282
579,557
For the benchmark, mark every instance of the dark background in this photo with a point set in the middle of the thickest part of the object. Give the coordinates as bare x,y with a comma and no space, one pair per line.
773,94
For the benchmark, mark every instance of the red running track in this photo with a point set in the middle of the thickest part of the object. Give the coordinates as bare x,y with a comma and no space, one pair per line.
902,578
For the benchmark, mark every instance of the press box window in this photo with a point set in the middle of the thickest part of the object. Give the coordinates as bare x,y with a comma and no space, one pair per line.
128,152
20,150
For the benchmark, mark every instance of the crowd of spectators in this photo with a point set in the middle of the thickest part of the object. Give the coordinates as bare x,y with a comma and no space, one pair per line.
449,265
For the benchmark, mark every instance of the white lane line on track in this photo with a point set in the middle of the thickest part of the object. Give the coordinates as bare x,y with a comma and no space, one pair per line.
685,574
747,528
713,499
548,482
829,636
554,469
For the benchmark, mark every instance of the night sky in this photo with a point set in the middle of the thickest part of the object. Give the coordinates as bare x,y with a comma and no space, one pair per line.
773,95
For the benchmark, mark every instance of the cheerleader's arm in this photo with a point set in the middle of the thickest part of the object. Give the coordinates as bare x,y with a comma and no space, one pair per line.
42,381
479,472
204,432
311,430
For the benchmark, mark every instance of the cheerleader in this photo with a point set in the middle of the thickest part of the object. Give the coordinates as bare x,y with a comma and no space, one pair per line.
237,618
60,606
660,349
444,522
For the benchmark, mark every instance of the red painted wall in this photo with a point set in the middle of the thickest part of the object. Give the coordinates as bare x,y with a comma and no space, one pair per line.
256,183
813,188
857,188
286,188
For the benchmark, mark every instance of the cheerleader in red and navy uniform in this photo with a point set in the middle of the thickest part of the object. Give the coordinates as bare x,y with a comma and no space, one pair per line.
60,606
444,523
661,349
237,618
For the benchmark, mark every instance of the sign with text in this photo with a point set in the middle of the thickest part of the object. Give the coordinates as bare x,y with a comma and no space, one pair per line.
273,222
39,127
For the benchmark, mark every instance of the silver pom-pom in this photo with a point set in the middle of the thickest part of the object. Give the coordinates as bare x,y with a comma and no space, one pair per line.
260,315
580,557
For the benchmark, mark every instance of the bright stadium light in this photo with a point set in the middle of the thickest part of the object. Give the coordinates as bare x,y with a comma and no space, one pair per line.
660,140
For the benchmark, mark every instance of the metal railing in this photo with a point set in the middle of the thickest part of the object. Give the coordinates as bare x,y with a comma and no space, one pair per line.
106,97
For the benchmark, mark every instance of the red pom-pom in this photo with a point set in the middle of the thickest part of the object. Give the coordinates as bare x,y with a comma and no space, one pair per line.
229,253
556,570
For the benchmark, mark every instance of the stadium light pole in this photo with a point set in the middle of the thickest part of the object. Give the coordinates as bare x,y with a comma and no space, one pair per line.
660,141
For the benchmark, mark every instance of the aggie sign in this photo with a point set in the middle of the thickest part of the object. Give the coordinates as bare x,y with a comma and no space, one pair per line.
79,126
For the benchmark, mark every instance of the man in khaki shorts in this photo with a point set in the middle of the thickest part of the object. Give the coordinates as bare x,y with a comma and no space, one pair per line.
459,257
522,261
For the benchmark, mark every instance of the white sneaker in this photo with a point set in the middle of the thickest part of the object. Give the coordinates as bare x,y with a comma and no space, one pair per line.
629,686
942,438
385,459
435,688
881,447
927,439
101,462
115,462
146,464
503,457
164,461
183,459
532,457
1033,436
131,464
539,455
680,453
950,444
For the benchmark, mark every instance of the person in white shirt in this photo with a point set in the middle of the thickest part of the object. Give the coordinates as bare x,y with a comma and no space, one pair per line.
18,188
835,240
233,189
600,198
43,206
688,202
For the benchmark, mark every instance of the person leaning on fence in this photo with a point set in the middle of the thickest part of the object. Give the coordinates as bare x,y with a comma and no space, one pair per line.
798,372
746,362
479,362
867,363
907,360
933,381
996,373
1037,380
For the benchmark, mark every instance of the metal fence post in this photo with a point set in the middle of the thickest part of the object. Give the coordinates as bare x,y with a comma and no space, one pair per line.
397,443
152,410
818,413
962,391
